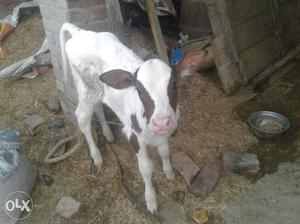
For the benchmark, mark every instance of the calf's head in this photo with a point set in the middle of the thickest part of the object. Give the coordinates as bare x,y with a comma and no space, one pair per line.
156,87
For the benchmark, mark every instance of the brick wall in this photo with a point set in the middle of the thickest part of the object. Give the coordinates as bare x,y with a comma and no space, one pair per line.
88,14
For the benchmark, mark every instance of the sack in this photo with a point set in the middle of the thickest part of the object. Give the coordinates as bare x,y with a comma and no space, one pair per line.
15,173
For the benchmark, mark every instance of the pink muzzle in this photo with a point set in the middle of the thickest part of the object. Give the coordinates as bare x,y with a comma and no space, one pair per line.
162,125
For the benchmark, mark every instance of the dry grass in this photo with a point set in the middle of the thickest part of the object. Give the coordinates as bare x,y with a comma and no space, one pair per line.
207,127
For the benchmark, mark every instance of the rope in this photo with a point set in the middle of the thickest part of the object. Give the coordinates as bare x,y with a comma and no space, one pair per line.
52,151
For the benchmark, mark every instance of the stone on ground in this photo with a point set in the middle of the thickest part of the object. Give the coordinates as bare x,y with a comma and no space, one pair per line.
171,212
242,163
48,180
57,123
52,105
33,121
68,208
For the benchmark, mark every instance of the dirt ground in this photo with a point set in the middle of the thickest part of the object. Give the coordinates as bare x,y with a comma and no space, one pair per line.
209,124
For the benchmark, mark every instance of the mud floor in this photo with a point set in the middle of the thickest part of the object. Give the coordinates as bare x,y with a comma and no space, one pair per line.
210,123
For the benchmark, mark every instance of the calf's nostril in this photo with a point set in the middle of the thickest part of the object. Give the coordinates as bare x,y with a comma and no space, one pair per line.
154,123
168,122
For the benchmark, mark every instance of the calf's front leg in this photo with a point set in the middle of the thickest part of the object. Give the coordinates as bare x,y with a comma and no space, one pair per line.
163,150
146,169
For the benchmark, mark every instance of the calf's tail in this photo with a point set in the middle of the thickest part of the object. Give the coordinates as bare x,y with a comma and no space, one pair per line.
66,30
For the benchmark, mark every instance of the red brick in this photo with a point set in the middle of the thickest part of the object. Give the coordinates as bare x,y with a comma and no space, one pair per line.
185,166
206,180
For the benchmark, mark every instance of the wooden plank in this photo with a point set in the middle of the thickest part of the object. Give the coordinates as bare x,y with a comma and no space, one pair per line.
216,17
290,22
223,44
230,76
259,57
156,31
194,20
296,37
253,31
276,65
239,15
239,4
224,52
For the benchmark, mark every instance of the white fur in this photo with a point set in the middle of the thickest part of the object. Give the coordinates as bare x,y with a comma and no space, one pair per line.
91,54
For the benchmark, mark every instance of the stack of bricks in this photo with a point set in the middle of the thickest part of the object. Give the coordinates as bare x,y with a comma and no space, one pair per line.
87,14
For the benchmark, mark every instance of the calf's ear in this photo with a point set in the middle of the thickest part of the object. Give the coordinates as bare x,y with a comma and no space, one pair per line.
118,79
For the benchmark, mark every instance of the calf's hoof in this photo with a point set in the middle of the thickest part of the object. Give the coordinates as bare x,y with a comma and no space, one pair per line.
109,136
170,175
97,159
151,203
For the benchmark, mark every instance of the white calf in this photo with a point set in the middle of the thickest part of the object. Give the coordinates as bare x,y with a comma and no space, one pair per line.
141,93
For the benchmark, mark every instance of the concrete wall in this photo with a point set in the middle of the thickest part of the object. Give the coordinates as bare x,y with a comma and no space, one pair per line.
96,15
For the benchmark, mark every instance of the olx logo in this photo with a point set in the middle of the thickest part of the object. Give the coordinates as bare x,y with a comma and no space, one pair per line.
17,203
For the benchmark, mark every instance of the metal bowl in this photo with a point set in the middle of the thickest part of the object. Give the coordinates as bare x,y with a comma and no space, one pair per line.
267,124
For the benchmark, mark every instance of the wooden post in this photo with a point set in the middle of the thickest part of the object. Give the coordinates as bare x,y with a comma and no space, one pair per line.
156,31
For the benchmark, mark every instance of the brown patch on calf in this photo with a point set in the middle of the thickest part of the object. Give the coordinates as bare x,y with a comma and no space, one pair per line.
172,92
121,79
134,143
135,124
146,99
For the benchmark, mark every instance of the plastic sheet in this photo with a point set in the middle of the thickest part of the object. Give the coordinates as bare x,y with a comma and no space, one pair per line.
8,24
20,69
9,151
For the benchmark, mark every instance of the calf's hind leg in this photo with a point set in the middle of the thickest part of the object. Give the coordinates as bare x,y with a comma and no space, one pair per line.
101,117
84,113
